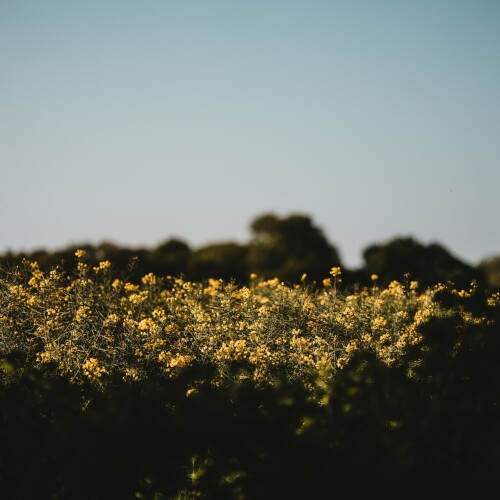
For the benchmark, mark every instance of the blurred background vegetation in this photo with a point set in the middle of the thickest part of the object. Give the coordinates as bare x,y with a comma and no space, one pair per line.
284,247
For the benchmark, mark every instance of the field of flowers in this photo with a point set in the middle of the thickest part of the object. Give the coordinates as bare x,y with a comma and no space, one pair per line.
89,325
295,358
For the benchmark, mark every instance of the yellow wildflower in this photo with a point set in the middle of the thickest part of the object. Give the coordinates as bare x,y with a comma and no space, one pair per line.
130,287
149,279
335,271
103,266
92,369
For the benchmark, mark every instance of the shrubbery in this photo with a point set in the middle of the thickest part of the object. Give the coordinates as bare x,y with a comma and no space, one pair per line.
177,389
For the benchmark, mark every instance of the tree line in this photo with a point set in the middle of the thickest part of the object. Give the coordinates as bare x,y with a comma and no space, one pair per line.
286,247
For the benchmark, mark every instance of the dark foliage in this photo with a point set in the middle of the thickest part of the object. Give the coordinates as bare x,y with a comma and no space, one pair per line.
288,247
283,247
429,264
428,426
221,261
491,269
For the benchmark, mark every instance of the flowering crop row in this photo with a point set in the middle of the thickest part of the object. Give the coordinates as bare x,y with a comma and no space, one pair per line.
90,325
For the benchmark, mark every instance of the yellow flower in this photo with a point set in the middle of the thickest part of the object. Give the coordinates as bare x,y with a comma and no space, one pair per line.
374,277
82,268
494,300
149,279
379,322
138,298
80,253
130,287
117,283
112,319
92,369
103,265
335,271
82,313
327,282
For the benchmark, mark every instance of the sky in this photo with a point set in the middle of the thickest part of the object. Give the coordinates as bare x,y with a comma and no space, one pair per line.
135,122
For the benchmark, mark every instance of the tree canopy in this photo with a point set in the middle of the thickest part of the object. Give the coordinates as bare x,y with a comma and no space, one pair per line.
288,247
285,247
428,264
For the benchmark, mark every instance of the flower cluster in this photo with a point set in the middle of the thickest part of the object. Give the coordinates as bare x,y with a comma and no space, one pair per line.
89,325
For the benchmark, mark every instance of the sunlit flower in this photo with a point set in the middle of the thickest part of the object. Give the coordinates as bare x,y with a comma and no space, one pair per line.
103,266
335,271
149,279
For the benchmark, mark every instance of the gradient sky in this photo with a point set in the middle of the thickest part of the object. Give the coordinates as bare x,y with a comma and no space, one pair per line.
136,121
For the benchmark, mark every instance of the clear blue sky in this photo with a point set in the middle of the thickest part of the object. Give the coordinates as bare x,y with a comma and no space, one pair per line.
135,121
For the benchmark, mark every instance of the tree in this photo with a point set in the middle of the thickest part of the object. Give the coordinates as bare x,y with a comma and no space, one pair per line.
220,260
171,257
288,247
491,269
428,264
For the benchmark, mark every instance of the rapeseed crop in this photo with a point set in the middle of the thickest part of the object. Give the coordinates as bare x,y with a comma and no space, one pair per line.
169,388
89,325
